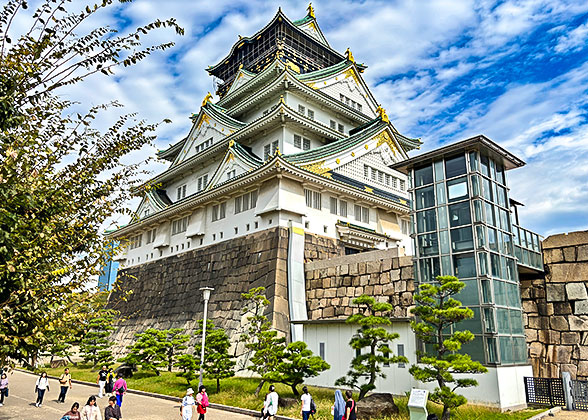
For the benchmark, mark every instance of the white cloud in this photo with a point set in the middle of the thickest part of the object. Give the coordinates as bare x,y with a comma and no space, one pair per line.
573,41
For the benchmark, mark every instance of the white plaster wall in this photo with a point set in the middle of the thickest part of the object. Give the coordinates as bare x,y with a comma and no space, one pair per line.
347,86
191,179
256,112
500,387
322,114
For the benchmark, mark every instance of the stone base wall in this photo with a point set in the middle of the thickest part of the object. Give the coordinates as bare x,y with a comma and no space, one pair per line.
165,293
321,248
332,284
555,308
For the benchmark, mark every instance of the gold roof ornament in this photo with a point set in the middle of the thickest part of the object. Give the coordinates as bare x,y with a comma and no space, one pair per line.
282,99
311,11
382,114
207,98
240,66
349,55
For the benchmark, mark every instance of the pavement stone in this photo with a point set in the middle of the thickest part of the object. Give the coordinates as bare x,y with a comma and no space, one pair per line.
20,404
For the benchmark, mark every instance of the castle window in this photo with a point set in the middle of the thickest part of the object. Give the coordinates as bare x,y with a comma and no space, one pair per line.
150,236
266,151
297,141
301,109
359,107
274,147
333,206
181,192
231,174
311,114
135,241
202,181
340,128
219,211
305,144
245,202
362,214
256,225
146,213
313,199
333,124
180,225
342,208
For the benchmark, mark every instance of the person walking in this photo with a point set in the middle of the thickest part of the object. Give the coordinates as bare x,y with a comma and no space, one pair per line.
110,383
305,399
73,413
3,388
91,410
101,380
270,406
202,402
120,387
339,406
65,383
112,411
41,386
350,409
187,404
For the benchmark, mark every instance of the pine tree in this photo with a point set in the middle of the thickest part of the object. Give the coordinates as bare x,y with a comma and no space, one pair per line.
217,361
95,345
437,312
297,363
264,345
188,365
174,342
366,367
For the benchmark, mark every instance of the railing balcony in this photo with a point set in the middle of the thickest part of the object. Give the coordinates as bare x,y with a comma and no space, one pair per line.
527,249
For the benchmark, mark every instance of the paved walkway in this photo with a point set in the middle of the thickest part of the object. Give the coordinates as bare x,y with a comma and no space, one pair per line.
21,403
568,415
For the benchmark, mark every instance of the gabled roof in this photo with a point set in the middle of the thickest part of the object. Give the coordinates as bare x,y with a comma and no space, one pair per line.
310,25
242,77
238,153
172,151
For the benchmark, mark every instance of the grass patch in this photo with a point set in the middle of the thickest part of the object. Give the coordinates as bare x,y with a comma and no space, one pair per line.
239,392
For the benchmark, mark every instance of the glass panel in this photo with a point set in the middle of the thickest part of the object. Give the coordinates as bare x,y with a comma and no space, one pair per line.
492,242
489,214
441,193
512,295
503,267
464,266
439,171
492,169
476,186
520,349
444,241
462,239
501,191
486,190
506,244
500,293
429,269
483,262
515,231
459,214
516,322
491,349
424,197
469,294
500,174
484,165
442,217
487,291
457,189
446,266
503,320
504,220
428,244
473,324
473,161
426,221
480,236
455,166
511,269
506,354
495,264
489,323
478,213
423,176
475,349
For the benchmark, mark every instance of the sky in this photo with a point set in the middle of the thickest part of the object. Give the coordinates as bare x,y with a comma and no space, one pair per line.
515,71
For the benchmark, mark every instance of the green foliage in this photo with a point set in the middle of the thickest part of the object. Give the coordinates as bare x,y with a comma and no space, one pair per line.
155,349
367,366
297,363
95,345
264,345
61,179
437,312
188,365
217,361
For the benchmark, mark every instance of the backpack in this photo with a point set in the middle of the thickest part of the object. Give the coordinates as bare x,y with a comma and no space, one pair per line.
312,407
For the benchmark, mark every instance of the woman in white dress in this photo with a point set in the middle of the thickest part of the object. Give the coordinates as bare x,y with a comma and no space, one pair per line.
187,404
270,406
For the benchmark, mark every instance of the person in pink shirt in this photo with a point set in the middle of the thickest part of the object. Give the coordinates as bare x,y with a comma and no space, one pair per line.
120,387
201,402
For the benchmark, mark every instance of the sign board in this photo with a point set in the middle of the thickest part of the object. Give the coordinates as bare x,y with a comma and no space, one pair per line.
417,404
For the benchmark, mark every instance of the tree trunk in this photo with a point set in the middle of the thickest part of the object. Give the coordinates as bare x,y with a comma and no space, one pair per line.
362,393
217,385
258,389
71,361
294,390
446,413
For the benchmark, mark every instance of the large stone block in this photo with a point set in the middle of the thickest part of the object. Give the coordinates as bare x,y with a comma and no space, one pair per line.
562,308
559,323
576,291
569,253
578,323
582,254
581,307
569,272
582,368
553,255
570,337
556,292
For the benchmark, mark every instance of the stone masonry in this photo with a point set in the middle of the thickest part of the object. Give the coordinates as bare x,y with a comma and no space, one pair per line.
332,284
556,308
165,293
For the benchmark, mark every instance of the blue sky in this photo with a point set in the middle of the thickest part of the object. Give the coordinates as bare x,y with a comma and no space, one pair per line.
515,71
